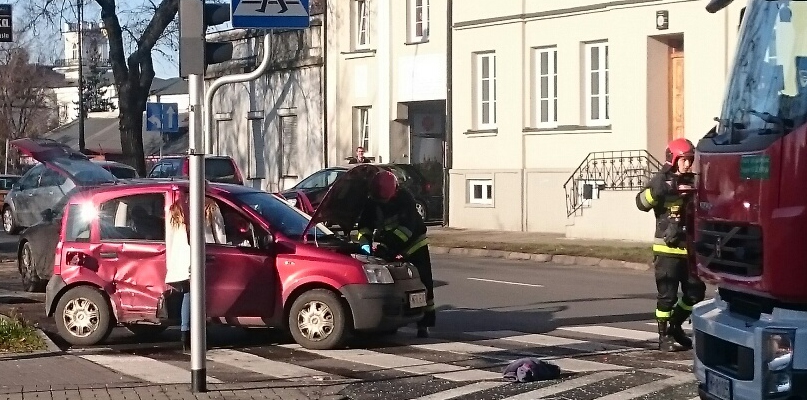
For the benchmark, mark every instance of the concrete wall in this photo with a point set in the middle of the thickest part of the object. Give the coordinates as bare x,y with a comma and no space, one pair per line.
638,105
602,221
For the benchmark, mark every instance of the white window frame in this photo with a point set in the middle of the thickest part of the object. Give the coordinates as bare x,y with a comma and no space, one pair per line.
551,87
603,95
363,129
362,24
487,195
413,22
480,82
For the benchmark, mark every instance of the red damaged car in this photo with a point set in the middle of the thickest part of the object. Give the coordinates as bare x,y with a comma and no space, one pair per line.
110,265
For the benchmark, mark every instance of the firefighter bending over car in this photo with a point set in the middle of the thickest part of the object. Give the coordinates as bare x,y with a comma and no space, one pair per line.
401,233
668,194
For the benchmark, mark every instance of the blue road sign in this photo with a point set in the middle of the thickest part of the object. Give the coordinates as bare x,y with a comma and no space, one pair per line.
270,14
162,117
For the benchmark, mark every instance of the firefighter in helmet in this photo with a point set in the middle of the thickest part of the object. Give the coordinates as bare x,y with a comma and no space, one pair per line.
391,219
667,195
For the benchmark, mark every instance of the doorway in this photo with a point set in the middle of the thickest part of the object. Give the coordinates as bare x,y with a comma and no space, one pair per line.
676,89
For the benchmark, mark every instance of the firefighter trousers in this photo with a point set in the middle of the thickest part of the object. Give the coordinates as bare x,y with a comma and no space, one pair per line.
672,272
422,261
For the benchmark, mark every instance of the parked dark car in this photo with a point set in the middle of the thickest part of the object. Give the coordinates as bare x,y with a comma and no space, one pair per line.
120,170
6,182
429,199
42,186
219,169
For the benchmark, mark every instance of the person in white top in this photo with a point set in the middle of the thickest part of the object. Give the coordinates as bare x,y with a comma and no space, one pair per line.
178,265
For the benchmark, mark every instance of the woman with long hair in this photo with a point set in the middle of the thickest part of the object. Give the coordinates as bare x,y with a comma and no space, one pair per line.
178,266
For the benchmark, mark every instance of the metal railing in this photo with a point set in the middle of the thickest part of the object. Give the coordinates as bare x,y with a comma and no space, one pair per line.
73,62
608,170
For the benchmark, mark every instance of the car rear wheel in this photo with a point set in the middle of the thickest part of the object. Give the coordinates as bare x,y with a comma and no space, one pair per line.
83,316
146,330
318,320
9,222
31,282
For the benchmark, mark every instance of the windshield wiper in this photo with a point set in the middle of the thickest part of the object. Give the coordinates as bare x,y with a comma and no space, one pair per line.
730,126
783,125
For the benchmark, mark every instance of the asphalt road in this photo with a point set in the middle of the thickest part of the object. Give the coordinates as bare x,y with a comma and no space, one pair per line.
595,323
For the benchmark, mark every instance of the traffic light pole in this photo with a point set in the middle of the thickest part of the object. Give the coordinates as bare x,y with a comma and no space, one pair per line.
236,78
196,155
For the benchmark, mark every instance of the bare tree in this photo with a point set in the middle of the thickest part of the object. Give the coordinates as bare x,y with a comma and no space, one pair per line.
27,105
135,31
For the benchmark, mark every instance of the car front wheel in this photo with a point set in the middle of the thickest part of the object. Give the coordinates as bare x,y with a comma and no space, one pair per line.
318,320
31,282
83,316
9,222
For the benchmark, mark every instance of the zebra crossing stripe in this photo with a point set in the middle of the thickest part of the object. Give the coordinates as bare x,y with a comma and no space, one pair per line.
461,391
612,332
144,368
676,378
406,364
563,386
549,341
263,366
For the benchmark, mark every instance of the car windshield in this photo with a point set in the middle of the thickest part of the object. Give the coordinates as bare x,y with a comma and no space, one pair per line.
281,216
767,92
85,172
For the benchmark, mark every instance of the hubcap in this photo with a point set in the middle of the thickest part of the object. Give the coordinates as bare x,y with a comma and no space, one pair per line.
315,321
26,263
7,220
81,317
420,209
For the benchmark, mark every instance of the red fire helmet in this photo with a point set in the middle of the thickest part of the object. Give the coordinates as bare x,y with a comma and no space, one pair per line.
679,148
383,186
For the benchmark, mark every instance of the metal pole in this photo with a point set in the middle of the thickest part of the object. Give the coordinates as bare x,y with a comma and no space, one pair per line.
448,147
6,163
197,241
81,143
236,78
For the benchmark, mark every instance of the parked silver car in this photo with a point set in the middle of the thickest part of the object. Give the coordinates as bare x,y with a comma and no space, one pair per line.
41,187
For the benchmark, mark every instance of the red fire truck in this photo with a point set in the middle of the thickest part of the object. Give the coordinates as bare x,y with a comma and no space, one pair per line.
750,236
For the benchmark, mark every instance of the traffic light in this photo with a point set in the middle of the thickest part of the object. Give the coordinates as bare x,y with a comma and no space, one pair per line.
196,53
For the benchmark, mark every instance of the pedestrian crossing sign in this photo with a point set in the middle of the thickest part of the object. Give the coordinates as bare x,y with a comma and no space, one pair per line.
270,14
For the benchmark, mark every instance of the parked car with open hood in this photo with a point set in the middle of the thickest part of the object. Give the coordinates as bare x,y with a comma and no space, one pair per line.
277,266
61,169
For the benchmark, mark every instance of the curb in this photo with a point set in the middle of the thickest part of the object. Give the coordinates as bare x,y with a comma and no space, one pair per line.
541,258
50,347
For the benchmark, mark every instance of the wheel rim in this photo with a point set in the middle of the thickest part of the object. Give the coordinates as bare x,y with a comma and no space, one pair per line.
421,210
7,220
315,321
81,317
27,265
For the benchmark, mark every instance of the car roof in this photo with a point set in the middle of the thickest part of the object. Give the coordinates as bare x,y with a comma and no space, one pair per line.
112,163
179,156
166,183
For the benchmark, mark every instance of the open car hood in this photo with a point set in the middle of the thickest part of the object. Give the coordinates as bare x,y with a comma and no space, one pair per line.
344,201
65,160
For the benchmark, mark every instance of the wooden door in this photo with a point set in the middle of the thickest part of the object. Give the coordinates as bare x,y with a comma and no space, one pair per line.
676,91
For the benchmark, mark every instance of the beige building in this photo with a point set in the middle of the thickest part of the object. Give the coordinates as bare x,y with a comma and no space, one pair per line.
386,80
582,94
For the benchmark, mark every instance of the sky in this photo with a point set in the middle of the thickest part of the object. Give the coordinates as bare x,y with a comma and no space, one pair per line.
51,44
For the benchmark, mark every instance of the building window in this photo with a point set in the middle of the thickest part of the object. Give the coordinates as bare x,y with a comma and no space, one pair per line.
546,87
418,17
362,128
288,145
362,24
256,145
597,112
480,191
486,90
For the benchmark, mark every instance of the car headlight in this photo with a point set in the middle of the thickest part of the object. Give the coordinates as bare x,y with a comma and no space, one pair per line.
777,359
377,274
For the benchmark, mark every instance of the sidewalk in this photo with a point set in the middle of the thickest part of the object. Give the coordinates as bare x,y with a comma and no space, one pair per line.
540,247
71,377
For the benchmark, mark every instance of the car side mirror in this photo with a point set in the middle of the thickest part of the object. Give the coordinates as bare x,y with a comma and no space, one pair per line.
47,215
266,241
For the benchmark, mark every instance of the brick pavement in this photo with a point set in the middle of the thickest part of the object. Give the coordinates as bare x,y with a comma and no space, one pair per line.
70,377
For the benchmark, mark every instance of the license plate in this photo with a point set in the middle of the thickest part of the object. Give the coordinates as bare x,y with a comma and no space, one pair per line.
417,300
718,386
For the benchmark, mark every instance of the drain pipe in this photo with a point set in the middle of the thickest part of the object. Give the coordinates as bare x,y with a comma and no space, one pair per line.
324,83
236,78
448,148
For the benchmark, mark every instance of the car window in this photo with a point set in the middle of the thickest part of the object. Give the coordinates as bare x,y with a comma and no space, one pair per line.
8,182
51,178
31,178
318,180
400,174
123,172
239,231
135,217
220,170
281,216
85,171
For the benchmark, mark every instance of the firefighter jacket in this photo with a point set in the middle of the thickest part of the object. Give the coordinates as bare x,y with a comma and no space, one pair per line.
670,209
395,224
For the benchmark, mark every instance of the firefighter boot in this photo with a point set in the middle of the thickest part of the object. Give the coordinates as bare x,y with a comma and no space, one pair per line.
679,315
665,341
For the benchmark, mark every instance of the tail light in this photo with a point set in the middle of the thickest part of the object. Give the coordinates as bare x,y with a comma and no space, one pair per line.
427,187
238,176
186,168
57,260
